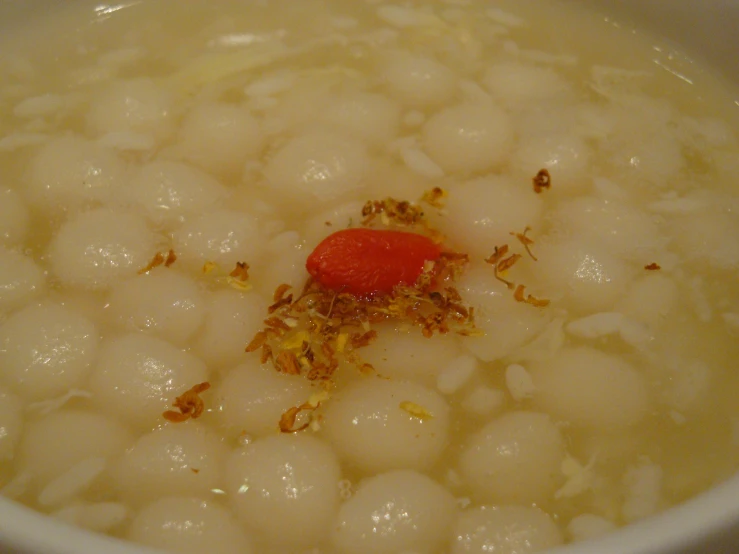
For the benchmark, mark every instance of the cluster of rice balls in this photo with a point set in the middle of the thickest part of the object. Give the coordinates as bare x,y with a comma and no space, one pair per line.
93,349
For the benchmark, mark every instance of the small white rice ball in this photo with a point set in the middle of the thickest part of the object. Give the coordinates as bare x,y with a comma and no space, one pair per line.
504,530
518,85
90,304
46,350
484,401
482,213
644,484
252,398
703,237
169,191
274,83
232,318
54,444
220,137
138,105
285,487
565,155
162,302
515,458
224,237
11,424
69,172
595,121
137,377
189,526
331,220
398,511
506,337
456,374
371,425
318,166
589,526
20,279
614,450
418,81
582,272
650,299
469,138
589,388
623,230
14,217
407,354
655,158
705,132
99,517
688,387
390,178
303,100
365,115
179,458
284,262
100,247
507,324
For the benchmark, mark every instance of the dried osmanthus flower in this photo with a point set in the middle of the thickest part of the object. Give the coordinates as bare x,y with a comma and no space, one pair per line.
237,278
526,241
189,404
542,180
314,331
158,260
538,302
502,261
435,197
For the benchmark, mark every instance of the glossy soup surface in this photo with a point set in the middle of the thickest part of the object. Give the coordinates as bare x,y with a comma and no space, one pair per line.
148,150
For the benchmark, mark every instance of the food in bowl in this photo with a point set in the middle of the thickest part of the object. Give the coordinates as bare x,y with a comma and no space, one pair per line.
362,277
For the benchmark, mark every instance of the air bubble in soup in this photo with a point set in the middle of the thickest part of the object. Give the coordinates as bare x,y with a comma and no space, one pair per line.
170,376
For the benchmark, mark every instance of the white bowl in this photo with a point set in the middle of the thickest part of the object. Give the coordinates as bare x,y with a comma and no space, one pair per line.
707,524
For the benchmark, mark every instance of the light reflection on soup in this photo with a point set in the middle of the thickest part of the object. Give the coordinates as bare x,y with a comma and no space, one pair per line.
220,132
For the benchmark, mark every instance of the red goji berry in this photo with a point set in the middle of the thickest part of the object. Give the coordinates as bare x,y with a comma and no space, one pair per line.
370,261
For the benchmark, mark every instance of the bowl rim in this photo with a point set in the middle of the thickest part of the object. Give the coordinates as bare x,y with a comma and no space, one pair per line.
710,514
26,531
697,521
691,524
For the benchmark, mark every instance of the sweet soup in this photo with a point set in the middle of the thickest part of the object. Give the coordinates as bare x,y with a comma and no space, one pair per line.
556,360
